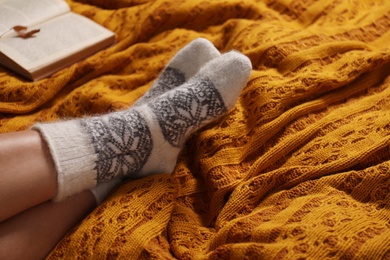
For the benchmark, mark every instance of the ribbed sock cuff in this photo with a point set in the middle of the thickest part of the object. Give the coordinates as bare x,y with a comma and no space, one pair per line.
101,191
73,155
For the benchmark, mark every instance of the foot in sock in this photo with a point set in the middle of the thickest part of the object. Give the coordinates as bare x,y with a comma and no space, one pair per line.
146,139
184,65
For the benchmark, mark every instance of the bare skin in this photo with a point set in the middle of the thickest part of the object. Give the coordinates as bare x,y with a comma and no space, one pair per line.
30,223
34,233
27,173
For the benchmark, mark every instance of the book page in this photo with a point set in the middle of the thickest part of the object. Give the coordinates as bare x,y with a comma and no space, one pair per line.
58,38
29,12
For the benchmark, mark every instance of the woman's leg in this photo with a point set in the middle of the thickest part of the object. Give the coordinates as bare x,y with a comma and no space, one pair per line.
33,233
28,176
137,142
144,139
27,173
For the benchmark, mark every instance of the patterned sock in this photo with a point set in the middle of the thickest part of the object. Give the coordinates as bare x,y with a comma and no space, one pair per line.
146,139
184,65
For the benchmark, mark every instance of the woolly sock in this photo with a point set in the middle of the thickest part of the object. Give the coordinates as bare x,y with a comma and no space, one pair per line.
101,191
184,65
147,139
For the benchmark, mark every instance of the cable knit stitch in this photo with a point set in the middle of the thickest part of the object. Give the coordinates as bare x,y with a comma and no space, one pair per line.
299,168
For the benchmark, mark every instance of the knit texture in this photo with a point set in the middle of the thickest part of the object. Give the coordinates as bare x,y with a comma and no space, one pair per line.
299,168
145,139
183,66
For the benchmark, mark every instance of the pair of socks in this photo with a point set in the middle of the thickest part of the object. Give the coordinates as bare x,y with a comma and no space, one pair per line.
198,85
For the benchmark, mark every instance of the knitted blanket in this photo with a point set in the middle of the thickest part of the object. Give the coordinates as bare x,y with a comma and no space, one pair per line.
299,168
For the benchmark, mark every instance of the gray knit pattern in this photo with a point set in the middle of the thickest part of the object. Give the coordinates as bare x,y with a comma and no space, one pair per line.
182,111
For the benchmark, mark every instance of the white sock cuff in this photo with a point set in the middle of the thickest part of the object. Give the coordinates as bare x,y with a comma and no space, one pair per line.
101,191
73,155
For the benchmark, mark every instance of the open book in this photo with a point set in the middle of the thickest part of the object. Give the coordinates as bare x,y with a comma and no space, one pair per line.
64,37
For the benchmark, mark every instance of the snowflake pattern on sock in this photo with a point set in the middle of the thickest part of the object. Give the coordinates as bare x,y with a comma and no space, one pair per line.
123,143
181,111
169,79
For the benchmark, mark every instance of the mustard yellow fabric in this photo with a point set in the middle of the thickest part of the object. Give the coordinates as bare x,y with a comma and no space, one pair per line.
298,169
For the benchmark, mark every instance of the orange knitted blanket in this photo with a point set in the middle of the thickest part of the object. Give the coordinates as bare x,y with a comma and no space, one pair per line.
299,168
